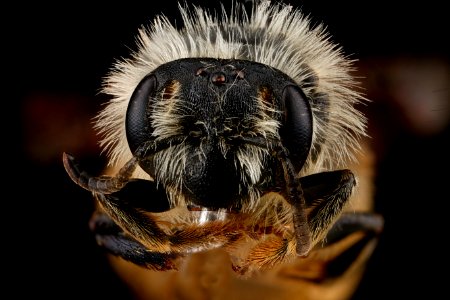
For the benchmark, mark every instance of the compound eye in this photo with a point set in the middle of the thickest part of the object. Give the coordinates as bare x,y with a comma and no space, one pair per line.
297,129
138,128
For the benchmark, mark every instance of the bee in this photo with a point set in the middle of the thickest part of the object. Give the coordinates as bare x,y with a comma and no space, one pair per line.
228,133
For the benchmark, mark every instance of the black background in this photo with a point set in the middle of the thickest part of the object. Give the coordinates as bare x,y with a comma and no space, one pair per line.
61,51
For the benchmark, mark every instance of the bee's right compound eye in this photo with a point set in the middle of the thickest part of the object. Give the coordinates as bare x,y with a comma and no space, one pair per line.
137,126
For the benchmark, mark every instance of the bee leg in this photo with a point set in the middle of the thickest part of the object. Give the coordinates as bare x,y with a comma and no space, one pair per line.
136,218
129,203
126,201
144,195
102,184
128,210
295,197
118,196
326,194
350,222
347,247
139,231
112,238
351,237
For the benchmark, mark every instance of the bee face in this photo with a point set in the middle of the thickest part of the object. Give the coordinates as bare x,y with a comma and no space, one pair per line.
228,134
222,119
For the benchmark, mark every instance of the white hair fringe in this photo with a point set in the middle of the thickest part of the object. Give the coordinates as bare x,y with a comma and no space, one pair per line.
276,35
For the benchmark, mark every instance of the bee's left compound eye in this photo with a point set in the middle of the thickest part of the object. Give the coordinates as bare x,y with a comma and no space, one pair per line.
297,130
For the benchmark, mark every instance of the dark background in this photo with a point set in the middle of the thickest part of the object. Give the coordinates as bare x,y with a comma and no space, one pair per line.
56,56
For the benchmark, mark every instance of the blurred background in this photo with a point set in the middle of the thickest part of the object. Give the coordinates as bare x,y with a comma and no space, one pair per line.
58,55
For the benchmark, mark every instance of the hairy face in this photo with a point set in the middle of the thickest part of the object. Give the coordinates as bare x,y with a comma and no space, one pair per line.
214,113
230,133
276,36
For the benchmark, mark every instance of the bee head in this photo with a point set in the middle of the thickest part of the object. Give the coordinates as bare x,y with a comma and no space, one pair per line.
221,120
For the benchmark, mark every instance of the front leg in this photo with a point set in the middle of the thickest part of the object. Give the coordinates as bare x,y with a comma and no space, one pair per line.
317,201
293,193
111,184
295,197
126,201
102,184
126,209
113,239
134,207
326,194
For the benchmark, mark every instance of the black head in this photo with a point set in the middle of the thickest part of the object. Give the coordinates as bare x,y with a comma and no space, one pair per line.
207,111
